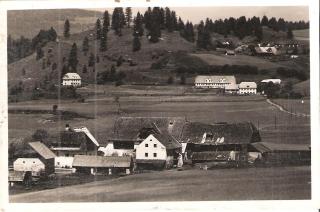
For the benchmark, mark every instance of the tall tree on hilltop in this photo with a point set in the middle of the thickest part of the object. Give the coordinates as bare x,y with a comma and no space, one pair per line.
66,32
106,21
118,20
155,31
128,16
73,58
138,25
85,45
168,20
98,29
40,53
136,44
264,21
204,38
147,18
103,41
174,20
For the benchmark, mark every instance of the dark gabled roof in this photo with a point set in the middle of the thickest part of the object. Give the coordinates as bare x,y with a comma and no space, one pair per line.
224,133
129,127
101,161
71,139
167,140
276,147
42,150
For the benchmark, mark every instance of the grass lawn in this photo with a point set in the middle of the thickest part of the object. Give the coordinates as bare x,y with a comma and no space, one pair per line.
190,185
295,105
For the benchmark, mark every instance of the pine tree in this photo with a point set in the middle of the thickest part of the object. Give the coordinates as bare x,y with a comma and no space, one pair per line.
98,29
204,38
147,18
73,58
136,45
91,60
137,25
128,16
118,20
40,53
85,45
155,31
289,33
168,20
103,41
265,21
106,21
66,32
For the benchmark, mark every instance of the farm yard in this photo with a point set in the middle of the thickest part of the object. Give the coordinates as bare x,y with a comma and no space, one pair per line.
190,185
102,111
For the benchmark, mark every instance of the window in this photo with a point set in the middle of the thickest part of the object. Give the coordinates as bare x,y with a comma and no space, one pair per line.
146,154
146,145
23,162
154,155
155,145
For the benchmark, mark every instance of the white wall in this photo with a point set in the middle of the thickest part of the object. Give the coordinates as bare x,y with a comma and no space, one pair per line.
109,150
34,165
73,82
150,141
248,91
63,162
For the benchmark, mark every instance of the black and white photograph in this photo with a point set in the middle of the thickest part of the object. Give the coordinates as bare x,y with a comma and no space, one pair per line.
159,104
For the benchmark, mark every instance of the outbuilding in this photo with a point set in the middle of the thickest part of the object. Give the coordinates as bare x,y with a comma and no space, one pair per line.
219,82
247,88
110,165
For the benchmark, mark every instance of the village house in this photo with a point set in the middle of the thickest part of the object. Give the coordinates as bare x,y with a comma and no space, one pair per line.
71,79
73,141
157,151
220,142
230,52
214,81
247,88
109,165
266,50
232,89
41,163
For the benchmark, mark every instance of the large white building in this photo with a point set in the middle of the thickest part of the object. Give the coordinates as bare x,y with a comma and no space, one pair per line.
274,81
71,79
214,81
247,88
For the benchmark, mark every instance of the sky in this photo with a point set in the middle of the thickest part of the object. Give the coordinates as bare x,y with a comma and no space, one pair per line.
195,14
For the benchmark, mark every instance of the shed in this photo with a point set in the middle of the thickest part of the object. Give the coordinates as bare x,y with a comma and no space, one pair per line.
102,164
20,177
277,154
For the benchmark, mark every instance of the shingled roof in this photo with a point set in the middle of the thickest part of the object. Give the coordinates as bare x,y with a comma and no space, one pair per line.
128,128
225,133
167,140
42,150
277,147
101,161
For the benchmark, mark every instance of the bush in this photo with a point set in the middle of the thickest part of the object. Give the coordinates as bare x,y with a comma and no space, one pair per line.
40,135
170,80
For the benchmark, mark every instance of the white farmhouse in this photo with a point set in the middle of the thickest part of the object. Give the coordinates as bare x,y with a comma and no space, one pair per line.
214,81
71,79
35,165
247,88
157,150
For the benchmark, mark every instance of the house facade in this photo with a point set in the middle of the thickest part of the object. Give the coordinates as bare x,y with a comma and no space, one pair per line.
247,88
219,82
157,151
34,165
71,79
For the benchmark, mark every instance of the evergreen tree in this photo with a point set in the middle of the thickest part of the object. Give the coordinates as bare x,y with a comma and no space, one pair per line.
204,38
155,31
168,20
85,45
147,18
128,16
118,20
52,34
258,32
265,21
103,41
40,53
73,58
64,70
66,32
289,34
136,45
138,25
84,69
98,29
91,60
106,21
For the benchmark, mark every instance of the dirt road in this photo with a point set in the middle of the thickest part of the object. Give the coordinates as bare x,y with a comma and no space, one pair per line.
189,185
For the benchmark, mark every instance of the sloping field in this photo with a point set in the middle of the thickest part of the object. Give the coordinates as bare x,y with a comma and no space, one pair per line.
191,185
214,59
302,34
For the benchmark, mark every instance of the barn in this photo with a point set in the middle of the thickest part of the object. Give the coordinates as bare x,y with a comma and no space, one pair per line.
110,165
219,141
282,154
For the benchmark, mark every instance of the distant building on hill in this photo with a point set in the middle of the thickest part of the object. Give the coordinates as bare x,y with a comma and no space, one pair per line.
214,81
274,81
247,88
266,50
71,79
